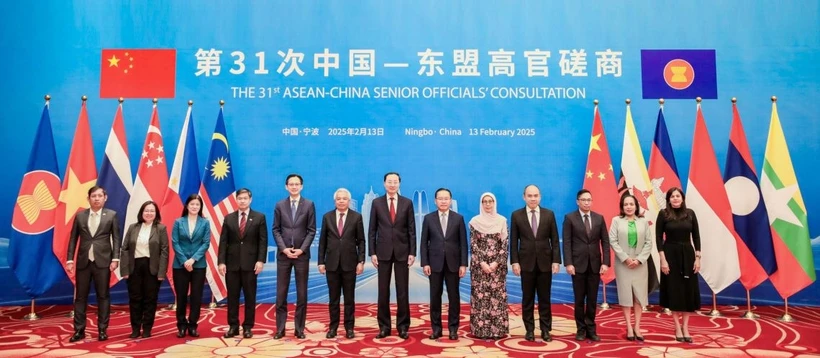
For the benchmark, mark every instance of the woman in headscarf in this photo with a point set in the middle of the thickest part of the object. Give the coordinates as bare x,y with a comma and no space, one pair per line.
488,271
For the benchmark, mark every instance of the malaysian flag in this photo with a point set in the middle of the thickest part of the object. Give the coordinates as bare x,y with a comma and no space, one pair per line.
217,192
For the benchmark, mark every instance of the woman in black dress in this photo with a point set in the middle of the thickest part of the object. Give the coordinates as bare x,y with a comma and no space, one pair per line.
680,261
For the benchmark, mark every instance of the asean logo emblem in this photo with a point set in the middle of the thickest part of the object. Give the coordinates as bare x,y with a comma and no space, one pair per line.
679,74
35,209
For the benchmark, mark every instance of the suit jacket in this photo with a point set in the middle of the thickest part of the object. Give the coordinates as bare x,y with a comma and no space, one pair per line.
386,238
341,252
582,250
106,241
298,233
534,251
157,250
242,252
436,246
193,246
619,240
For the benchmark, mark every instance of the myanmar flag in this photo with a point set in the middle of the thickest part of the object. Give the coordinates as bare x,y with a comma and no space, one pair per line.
787,215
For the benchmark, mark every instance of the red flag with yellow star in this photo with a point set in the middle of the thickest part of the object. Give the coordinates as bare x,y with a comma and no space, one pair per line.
80,175
138,73
600,180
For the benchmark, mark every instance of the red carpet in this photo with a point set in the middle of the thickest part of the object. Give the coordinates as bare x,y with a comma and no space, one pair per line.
727,336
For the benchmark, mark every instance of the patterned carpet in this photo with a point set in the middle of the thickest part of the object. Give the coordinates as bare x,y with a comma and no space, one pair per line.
728,336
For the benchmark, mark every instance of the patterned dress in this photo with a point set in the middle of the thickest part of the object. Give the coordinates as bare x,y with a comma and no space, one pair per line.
488,302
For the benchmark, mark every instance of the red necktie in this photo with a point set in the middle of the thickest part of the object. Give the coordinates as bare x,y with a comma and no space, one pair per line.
242,225
341,223
392,211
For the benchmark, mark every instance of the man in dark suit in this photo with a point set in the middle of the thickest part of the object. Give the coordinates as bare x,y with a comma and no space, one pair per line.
535,256
392,243
98,230
341,258
444,259
585,237
243,251
294,227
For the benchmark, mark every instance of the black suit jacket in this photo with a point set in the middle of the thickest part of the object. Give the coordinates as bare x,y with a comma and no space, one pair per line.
534,251
582,250
106,241
242,253
157,250
298,233
436,246
386,238
345,252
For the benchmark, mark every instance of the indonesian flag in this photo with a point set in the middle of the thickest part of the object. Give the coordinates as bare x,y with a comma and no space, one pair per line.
706,195
599,179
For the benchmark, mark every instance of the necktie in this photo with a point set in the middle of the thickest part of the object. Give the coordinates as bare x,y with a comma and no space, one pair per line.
444,224
534,222
587,224
341,225
392,211
93,226
293,210
242,223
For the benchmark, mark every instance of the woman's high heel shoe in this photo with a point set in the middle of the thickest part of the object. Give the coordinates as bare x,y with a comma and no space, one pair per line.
688,339
679,339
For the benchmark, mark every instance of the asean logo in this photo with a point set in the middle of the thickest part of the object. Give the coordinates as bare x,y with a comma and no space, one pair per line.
679,74
34,212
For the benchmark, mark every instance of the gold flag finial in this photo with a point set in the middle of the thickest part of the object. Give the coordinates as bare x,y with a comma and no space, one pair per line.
698,99
190,102
774,98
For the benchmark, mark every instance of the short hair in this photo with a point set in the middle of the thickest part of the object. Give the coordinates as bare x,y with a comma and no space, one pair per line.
191,198
142,209
294,175
444,189
531,185
582,192
392,173
95,188
342,190
244,191
622,213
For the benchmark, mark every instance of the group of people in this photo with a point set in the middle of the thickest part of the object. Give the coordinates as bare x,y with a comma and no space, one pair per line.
531,244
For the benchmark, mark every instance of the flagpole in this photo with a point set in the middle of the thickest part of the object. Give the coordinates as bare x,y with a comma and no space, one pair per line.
749,314
31,316
786,317
714,312
604,305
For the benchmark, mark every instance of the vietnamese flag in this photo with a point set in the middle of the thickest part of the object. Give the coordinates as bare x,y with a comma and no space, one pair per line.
138,73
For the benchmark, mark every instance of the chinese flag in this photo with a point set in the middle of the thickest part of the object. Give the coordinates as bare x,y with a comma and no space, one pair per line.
600,181
138,73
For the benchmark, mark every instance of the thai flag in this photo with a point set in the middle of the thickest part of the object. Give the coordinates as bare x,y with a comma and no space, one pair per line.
115,173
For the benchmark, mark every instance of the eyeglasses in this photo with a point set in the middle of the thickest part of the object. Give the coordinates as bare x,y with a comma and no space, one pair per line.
585,200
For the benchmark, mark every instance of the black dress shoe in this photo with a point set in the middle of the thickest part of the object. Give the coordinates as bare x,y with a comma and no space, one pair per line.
300,335
247,333
530,337
78,335
134,334
403,335
192,332
331,334
582,335
180,333
232,332
546,337
349,334
435,335
383,333
593,337
453,336
146,334
103,336
279,335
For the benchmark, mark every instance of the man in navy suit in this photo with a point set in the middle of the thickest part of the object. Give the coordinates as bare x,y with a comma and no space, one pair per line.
243,251
392,243
294,227
341,258
444,259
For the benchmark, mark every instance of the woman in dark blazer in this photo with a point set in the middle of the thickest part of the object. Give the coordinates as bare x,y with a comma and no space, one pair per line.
144,261
191,238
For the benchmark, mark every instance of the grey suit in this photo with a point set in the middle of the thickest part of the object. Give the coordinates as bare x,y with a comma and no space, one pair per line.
106,245
631,282
144,273
293,231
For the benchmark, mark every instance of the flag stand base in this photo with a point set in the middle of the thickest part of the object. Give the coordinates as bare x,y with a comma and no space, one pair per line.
171,307
666,311
212,305
715,313
31,317
70,314
786,318
750,315
604,306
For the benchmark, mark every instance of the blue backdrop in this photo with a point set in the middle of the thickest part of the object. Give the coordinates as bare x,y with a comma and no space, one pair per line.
437,128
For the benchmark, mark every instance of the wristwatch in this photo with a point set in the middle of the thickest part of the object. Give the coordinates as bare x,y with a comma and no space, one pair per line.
697,255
